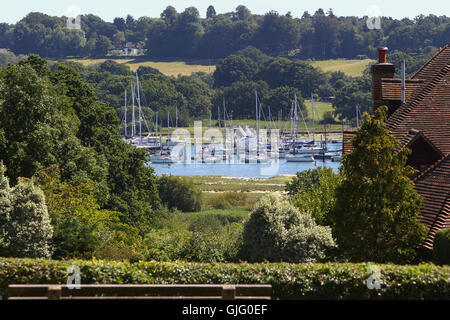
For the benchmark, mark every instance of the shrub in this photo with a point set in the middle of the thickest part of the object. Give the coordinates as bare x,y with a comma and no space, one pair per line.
214,245
180,193
441,247
166,244
289,281
27,230
304,181
277,231
320,198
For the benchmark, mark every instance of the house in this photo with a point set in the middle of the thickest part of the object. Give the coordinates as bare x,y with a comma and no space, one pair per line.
421,123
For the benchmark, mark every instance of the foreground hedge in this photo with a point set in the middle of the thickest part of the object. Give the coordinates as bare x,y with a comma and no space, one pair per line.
289,281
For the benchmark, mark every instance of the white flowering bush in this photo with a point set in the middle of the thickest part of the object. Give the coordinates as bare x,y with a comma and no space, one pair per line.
277,231
25,224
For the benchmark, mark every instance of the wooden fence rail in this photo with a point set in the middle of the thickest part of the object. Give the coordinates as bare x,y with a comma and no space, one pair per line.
139,291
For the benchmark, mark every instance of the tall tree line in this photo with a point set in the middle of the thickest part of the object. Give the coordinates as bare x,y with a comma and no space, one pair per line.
186,34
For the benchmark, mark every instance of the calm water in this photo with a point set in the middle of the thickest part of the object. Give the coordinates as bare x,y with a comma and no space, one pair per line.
236,169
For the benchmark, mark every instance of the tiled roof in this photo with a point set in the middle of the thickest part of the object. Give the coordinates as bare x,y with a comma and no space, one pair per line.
391,89
434,186
347,145
427,111
434,65
412,135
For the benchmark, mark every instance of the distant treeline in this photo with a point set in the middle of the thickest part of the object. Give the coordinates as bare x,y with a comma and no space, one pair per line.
321,35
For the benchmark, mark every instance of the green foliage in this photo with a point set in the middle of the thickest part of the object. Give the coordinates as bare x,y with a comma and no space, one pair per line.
234,68
24,220
228,200
114,68
6,207
441,247
166,244
352,93
319,198
179,193
341,281
186,35
377,207
304,181
81,228
277,231
214,244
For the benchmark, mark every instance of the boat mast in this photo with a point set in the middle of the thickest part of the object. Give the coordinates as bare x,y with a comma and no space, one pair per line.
133,117
313,115
126,113
224,124
139,104
257,124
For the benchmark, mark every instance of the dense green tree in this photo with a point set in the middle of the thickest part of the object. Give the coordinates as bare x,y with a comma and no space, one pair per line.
114,68
351,93
210,12
102,46
376,212
240,98
278,34
234,68
320,197
39,129
281,99
180,193
279,72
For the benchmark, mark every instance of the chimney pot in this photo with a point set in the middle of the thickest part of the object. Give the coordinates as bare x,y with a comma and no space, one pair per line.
382,54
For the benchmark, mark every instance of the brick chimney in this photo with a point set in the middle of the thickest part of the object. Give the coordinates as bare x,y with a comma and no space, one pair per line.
380,70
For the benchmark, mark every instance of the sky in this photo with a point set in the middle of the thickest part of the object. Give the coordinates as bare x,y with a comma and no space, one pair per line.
14,11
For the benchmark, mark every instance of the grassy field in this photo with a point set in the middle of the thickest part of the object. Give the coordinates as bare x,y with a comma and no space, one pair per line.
352,68
169,68
173,68
226,184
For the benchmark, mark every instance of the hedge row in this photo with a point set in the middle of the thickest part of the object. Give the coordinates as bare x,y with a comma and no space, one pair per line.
289,281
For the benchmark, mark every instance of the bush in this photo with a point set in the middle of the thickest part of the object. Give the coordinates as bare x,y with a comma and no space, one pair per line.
277,231
214,245
319,199
441,247
166,244
25,229
289,281
180,193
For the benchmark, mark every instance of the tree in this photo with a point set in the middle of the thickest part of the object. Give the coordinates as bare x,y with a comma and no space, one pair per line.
351,93
39,127
319,198
234,68
277,231
377,207
277,34
180,193
6,207
102,46
281,99
210,12
28,231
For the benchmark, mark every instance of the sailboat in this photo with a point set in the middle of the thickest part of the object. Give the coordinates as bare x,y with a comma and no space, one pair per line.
304,154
